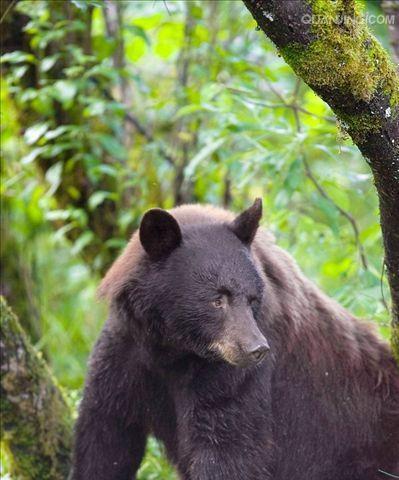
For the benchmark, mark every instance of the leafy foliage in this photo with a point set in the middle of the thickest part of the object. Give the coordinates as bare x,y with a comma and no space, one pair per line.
108,111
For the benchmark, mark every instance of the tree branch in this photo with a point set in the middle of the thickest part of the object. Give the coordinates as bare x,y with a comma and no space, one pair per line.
330,47
36,420
343,212
283,104
296,109
140,128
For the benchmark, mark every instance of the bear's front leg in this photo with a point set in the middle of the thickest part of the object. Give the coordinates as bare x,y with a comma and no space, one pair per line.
111,432
216,464
225,444
208,464
106,449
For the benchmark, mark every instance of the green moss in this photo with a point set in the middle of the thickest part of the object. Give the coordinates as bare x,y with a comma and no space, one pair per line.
359,126
36,419
344,55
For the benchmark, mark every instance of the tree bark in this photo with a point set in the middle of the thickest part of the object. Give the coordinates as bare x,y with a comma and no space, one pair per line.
330,47
36,421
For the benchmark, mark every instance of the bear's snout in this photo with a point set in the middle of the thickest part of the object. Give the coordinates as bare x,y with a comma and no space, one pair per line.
259,352
242,343
252,352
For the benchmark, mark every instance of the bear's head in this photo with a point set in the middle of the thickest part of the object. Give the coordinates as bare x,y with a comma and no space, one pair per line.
205,290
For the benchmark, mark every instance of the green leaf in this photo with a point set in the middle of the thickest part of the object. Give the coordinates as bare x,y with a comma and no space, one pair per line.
331,214
46,37
135,48
188,110
169,39
84,4
82,242
149,21
64,90
96,108
118,243
103,70
106,169
210,91
335,267
49,62
53,151
19,72
57,215
326,150
112,146
51,134
53,176
205,152
294,176
62,231
98,198
32,134
139,32
28,95
103,47
32,155
17,57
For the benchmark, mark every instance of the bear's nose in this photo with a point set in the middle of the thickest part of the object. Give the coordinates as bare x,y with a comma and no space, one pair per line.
259,352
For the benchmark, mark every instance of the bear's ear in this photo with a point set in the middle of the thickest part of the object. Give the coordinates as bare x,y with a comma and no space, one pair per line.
159,233
247,223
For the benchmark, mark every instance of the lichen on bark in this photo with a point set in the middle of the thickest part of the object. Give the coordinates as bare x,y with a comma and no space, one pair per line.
36,420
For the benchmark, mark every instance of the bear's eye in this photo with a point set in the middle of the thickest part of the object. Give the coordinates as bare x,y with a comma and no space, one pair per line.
219,302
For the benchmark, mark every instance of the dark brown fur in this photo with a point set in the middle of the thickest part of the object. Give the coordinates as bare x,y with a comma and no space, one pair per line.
323,406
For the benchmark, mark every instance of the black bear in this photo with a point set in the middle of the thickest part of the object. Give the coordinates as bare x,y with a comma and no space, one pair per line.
218,346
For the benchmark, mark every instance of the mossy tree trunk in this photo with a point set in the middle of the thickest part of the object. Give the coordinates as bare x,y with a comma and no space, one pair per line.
330,47
36,421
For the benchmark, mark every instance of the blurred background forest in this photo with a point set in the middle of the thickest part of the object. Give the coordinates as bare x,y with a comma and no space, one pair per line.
111,108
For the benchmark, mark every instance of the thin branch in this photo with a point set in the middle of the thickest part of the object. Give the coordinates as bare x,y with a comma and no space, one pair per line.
321,190
275,91
283,104
298,84
166,6
140,128
7,10
227,195
149,137
307,112
295,95
343,212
